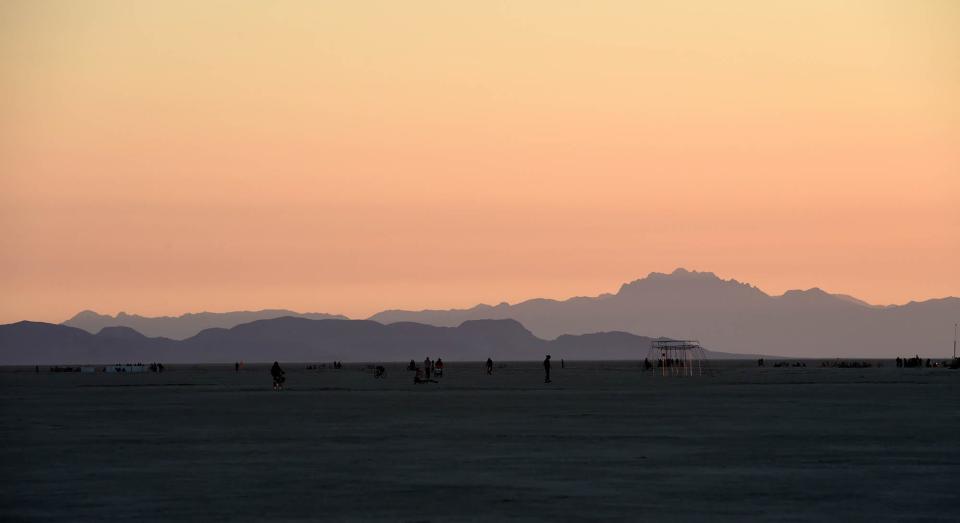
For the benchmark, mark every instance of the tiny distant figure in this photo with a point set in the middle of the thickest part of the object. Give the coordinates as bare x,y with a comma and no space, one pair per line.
380,372
760,362
489,366
438,368
546,369
427,367
278,376
236,366
36,369
646,364
562,364
412,365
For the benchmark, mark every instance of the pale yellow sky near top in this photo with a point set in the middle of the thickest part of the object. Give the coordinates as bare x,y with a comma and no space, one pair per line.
163,157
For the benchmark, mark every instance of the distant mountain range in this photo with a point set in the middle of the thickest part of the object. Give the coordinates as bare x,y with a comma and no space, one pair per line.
186,325
730,316
724,315
305,340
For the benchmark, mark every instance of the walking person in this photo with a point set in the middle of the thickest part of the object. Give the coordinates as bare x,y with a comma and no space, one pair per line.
546,368
489,366
278,376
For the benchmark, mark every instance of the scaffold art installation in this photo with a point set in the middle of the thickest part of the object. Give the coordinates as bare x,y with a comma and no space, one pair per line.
678,357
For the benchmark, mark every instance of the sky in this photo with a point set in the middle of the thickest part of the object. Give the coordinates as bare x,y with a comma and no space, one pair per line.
349,157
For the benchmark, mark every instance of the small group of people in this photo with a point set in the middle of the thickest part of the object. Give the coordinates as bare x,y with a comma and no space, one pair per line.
431,369
156,367
671,362
915,361
842,364
788,364
58,368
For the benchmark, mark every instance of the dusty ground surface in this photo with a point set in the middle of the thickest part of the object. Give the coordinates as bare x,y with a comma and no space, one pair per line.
604,441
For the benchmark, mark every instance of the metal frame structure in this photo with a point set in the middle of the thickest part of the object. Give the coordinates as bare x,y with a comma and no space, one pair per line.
678,357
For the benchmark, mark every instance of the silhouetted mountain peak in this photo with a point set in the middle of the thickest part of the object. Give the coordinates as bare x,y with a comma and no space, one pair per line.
86,314
682,278
816,295
508,326
680,272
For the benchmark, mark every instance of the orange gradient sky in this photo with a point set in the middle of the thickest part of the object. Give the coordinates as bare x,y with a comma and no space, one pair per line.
175,156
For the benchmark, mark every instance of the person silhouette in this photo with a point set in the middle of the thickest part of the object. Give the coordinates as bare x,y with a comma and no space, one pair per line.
278,377
489,366
546,368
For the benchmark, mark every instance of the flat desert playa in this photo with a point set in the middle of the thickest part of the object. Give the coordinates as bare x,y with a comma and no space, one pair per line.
604,441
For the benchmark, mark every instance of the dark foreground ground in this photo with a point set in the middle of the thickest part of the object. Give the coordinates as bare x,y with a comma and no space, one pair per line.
605,441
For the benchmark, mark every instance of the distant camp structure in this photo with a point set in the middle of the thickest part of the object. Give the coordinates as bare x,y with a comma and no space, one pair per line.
678,357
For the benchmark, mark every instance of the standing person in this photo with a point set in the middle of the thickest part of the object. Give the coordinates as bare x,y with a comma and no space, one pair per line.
236,366
278,377
489,366
427,367
546,368
438,367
